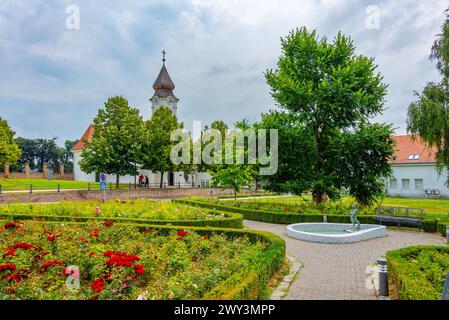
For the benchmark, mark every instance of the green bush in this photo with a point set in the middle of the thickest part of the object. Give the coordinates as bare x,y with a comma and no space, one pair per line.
442,228
249,284
230,220
276,217
430,225
418,273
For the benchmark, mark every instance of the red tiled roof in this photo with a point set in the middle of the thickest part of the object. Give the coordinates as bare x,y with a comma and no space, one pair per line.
87,136
407,147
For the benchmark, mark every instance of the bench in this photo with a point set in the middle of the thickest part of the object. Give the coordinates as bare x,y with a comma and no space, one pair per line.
411,217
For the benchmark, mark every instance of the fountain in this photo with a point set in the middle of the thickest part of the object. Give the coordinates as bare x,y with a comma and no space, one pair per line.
337,232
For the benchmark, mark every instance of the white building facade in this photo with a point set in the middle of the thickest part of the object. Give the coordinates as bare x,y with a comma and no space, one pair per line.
163,96
414,171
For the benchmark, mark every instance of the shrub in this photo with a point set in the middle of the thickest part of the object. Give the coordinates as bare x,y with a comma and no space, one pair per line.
277,217
121,261
419,272
430,225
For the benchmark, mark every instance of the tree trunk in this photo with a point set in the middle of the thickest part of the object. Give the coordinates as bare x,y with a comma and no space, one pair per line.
162,180
117,181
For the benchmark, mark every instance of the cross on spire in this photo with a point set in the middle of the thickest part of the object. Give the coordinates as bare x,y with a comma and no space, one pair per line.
163,55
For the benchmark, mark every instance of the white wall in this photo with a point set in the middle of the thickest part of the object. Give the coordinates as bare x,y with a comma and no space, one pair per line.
154,178
426,172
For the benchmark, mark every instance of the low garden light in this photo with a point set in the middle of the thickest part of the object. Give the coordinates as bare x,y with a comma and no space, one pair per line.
383,277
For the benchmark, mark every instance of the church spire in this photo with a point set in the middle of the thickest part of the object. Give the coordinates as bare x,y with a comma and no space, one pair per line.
163,89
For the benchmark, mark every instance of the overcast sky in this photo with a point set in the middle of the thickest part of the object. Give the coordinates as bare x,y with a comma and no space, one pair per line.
53,79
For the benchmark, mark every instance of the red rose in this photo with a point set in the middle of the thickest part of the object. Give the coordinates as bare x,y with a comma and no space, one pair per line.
148,231
7,266
9,225
182,233
98,285
23,245
108,253
9,252
95,233
51,238
138,269
107,224
48,264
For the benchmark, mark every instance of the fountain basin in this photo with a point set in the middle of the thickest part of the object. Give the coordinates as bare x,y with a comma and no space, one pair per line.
335,232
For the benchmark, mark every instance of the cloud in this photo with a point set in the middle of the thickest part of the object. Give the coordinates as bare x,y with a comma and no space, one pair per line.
53,80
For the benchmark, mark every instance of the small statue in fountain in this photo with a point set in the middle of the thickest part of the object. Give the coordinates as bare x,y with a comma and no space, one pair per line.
353,217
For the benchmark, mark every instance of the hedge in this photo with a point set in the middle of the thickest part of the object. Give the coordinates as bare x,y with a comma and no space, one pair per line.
249,284
231,220
277,217
411,278
434,225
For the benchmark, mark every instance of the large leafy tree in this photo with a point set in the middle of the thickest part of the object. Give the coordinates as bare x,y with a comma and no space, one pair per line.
428,115
156,147
116,140
328,94
9,150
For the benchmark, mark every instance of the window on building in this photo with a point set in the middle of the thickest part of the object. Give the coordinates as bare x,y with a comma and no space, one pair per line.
406,184
419,184
393,183
410,157
416,157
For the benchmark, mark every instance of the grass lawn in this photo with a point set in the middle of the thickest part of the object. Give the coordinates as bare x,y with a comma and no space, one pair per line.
433,208
41,184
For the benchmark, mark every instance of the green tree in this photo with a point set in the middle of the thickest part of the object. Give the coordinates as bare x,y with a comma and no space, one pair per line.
116,140
428,115
156,146
233,176
46,150
66,155
9,150
326,91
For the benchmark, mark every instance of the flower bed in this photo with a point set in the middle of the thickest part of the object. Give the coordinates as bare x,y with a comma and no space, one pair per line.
419,272
131,211
275,217
295,204
129,262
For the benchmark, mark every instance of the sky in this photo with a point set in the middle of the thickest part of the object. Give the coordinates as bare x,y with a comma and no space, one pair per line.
56,74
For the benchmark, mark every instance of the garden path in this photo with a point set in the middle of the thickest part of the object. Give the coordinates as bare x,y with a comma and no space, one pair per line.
339,271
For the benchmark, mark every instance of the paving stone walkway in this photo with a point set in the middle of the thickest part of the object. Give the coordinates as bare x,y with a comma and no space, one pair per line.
339,271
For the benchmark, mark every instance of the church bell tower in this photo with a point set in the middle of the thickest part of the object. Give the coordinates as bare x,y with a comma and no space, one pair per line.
163,90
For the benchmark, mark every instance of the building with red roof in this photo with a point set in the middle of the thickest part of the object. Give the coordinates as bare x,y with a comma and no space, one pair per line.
414,170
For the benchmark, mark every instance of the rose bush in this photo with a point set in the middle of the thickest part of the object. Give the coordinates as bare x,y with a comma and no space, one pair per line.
116,261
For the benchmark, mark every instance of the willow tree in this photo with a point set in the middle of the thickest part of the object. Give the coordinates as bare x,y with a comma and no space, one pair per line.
428,115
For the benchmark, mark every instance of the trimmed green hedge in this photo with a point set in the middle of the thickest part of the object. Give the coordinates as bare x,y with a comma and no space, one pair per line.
276,217
418,272
231,220
251,284
434,225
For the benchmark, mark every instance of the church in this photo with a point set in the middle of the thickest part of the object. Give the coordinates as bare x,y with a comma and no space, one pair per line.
163,96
